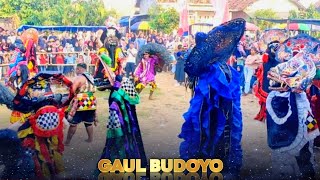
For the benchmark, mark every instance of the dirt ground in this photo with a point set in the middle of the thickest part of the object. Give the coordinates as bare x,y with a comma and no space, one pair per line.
160,122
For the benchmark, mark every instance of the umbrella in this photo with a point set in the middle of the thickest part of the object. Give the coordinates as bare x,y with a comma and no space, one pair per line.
299,26
143,25
280,26
251,27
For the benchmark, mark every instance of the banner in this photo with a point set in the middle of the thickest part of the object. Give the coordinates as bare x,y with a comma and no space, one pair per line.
183,25
221,8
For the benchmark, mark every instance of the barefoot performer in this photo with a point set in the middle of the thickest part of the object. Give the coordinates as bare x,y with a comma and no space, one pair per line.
145,73
83,107
151,59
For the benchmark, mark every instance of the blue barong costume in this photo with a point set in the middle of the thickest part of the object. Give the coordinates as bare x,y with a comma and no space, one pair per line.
213,123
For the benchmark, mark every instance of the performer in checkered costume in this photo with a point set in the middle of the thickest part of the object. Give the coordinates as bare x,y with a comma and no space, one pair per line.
42,133
84,105
123,133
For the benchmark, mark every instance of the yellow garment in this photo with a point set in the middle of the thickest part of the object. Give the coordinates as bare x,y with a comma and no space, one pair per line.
57,157
30,65
24,133
141,86
86,101
117,54
102,50
17,116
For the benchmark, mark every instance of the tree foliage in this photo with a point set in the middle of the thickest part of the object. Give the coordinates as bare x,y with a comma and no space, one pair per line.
57,12
265,13
310,13
165,20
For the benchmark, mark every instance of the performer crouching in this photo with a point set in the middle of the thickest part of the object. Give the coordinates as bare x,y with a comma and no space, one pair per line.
145,73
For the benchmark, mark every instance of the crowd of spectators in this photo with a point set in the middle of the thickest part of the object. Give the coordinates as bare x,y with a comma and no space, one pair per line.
55,50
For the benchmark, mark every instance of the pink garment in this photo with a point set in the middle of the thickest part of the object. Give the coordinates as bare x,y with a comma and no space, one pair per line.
253,61
145,70
15,68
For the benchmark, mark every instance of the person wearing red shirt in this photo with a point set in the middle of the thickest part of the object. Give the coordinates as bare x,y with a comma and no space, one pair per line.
60,59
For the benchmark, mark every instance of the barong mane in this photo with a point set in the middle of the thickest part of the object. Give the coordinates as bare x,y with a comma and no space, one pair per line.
217,45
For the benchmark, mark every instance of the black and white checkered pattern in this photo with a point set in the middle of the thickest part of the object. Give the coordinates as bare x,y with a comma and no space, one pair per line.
30,152
129,88
48,121
114,121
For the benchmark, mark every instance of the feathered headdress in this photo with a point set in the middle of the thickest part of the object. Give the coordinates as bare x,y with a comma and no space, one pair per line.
217,45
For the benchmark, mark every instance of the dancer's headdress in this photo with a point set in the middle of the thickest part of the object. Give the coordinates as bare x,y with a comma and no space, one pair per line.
217,45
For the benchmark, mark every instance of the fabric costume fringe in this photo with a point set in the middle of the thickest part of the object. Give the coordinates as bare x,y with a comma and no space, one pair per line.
6,96
124,139
261,95
200,125
42,133
46,146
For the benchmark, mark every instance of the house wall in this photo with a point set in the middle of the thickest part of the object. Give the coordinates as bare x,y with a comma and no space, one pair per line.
281,7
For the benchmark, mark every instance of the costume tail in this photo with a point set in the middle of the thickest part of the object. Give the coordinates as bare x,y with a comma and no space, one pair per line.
6,96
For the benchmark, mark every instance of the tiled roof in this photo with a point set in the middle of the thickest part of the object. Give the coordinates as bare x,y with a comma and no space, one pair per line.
298,4
240,5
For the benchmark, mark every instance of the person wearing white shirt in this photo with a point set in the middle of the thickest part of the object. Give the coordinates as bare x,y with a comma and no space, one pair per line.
131,60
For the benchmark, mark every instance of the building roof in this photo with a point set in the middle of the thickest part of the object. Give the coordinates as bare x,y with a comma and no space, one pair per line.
240,5
298,4
317,5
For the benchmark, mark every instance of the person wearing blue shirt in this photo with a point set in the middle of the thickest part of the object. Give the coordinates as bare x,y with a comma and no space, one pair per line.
70,59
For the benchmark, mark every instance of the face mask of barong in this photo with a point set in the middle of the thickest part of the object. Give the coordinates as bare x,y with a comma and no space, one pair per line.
217,45
294,45
294,75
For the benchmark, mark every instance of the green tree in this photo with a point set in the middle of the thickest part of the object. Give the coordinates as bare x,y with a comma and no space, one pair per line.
165,20
57,12
310,13
265,13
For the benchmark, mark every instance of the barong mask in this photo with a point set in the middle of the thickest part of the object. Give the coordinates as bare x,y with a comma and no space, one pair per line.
110,37
271,35
44,89
217,45
294,45
294,75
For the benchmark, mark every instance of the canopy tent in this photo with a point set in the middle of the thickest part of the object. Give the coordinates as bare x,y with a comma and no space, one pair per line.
301,21
299,26
62,28
143,25
124,21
